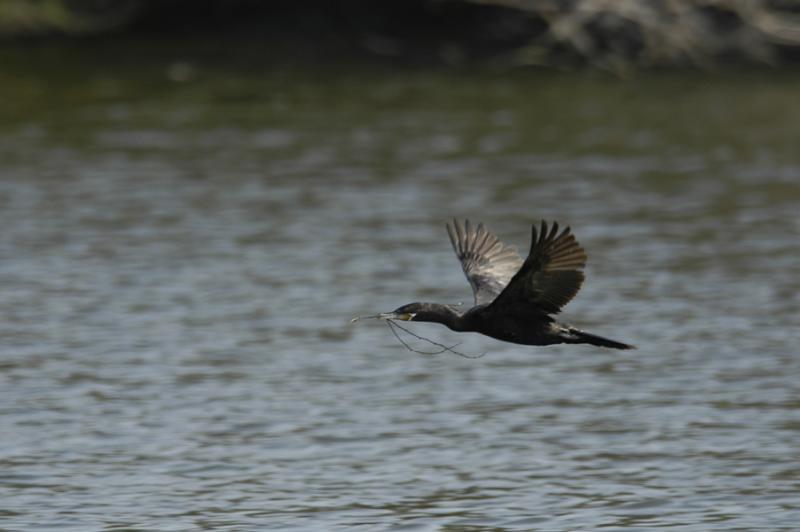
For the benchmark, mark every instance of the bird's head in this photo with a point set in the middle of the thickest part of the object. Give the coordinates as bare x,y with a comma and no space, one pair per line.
430,312
407,312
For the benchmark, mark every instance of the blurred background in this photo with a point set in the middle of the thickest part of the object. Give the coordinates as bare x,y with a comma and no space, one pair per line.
197,196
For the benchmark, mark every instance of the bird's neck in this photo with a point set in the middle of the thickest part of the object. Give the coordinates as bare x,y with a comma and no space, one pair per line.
444,314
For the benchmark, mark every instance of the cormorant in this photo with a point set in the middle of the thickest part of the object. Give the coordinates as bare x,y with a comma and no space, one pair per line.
514,300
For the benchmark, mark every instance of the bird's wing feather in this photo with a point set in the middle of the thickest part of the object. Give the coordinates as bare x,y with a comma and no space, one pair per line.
488,264
551,275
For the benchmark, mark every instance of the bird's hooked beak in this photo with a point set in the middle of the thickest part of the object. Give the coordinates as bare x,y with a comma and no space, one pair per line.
406,316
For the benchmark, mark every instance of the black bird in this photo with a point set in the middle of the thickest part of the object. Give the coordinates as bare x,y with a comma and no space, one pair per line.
514,300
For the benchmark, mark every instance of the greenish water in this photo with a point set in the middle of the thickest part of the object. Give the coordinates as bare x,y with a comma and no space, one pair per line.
188,229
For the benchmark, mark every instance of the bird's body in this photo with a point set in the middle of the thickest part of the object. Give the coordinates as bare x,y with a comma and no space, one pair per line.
514,299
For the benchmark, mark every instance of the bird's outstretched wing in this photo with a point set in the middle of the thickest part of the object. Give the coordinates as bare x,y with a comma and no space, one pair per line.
488,264
550,276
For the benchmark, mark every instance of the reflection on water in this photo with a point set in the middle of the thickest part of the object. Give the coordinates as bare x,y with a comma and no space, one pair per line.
179,263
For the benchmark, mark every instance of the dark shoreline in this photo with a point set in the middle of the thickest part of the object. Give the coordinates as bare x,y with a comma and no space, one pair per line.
616,37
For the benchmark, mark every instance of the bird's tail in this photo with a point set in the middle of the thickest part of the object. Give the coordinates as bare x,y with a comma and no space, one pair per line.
571,335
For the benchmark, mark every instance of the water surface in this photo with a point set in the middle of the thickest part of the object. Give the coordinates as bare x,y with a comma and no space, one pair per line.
184,241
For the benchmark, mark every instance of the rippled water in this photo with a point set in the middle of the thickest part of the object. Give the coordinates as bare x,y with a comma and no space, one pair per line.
179,261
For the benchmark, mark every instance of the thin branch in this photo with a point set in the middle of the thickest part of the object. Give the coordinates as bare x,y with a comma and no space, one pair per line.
428,353
393,324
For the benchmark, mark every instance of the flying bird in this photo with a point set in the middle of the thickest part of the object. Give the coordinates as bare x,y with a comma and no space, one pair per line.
515,300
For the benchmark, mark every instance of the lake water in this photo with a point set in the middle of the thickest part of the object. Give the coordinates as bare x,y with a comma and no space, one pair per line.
184,241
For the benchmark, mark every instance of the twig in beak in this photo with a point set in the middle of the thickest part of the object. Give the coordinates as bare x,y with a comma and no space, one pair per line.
381,316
